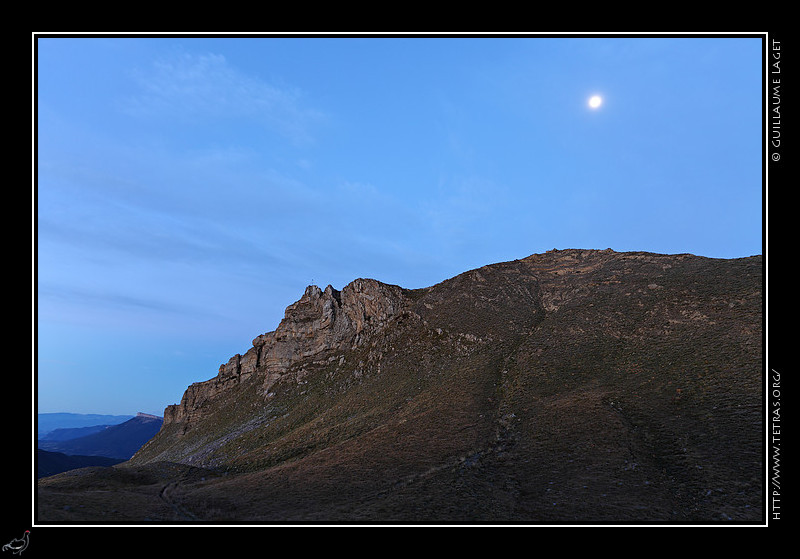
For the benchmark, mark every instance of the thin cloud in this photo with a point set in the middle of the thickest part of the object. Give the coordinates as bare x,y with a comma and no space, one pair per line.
189,85
84,298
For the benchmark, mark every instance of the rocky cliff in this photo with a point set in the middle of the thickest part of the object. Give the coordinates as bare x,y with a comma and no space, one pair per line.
574,385
319,323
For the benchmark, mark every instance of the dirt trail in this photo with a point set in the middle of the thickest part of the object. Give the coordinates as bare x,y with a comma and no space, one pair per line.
182,513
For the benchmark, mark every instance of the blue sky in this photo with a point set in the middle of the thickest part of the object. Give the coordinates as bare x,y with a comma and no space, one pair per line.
188,189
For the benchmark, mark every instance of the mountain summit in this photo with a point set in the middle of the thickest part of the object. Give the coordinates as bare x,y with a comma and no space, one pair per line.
575,385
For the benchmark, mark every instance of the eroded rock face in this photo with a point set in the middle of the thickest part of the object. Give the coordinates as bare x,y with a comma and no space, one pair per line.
327,320
320,321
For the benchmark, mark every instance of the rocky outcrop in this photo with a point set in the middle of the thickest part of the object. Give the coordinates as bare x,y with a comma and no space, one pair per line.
319,322
325,320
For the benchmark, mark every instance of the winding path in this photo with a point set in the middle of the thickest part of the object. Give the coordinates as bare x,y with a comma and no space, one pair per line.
182,513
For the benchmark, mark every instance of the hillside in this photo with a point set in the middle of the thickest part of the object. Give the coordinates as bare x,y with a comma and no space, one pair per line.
570,386
51,463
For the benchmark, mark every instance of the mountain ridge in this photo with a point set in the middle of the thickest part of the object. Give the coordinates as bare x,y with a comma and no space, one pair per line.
569,385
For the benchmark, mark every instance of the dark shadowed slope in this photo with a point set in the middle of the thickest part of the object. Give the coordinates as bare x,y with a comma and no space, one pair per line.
51,463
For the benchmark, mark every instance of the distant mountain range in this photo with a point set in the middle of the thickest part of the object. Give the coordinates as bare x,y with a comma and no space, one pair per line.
47,422
111,441
71,433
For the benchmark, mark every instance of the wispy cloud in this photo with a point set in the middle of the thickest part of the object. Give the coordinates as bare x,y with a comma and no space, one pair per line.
189,85
85,298
460,204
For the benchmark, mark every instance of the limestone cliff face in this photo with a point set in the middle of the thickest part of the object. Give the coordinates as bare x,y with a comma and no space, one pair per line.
319,322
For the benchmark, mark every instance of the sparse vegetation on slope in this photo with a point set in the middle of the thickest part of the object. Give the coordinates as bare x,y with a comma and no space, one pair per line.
571,386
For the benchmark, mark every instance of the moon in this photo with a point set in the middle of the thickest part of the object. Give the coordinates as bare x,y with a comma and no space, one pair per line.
595,101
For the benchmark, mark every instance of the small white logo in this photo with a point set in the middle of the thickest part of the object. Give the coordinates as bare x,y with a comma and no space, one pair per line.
18,545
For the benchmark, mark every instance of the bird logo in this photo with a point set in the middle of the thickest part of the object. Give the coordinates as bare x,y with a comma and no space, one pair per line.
17,546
